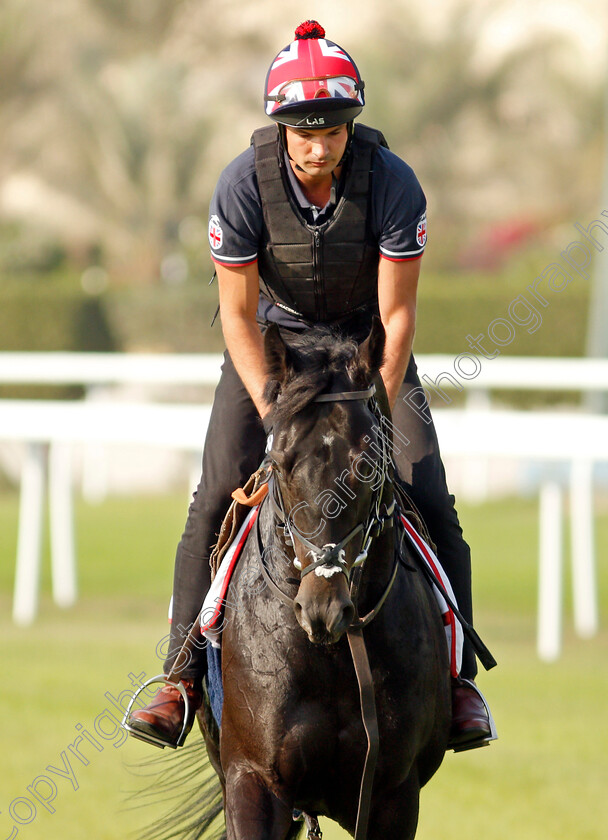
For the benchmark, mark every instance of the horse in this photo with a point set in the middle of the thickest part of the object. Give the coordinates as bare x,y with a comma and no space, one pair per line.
322,561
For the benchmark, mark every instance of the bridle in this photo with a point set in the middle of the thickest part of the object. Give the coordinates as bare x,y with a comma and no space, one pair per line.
332,556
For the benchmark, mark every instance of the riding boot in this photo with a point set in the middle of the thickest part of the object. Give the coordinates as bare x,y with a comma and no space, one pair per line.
164,720
471,725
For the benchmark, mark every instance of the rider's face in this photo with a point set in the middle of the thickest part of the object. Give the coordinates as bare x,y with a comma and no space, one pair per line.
317,151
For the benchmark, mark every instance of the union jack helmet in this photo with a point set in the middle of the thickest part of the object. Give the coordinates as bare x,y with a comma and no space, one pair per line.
313,82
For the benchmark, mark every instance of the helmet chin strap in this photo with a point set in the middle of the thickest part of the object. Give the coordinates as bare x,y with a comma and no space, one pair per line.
350,127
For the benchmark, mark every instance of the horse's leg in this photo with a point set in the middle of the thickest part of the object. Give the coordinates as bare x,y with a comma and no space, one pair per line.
253,812
395,815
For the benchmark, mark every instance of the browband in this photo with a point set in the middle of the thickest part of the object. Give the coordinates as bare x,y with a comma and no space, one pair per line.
339,396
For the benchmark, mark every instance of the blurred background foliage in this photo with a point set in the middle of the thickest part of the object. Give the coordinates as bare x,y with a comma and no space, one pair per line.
118,115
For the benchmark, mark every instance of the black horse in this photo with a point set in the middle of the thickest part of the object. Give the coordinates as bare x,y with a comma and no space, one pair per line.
323,555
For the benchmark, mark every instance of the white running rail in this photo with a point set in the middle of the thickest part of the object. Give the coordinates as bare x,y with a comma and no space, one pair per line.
574,438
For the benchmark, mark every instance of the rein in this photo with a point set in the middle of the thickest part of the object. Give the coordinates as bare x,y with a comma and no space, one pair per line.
331,556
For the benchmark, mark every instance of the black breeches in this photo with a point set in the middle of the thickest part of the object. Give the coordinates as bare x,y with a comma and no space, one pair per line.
233,450
420,468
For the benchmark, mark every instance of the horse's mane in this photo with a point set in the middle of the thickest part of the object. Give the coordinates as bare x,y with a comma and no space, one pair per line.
315,358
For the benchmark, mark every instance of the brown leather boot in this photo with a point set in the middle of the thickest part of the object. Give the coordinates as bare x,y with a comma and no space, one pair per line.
470,720
163,718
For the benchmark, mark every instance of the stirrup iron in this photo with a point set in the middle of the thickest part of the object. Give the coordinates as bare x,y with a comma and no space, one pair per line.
313,829
147,737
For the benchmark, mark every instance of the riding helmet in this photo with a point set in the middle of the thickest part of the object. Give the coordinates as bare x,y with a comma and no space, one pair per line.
313,83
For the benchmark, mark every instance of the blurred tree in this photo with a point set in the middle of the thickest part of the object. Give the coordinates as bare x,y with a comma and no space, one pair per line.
131,160
133,101
23,81
513,135
117,116
135,24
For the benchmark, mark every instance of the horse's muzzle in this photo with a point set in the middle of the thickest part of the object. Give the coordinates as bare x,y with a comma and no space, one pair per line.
324,613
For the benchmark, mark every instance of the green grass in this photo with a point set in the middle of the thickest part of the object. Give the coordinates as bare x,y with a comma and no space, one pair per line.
545,779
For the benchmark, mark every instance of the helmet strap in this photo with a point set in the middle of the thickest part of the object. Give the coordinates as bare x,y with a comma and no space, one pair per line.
283,147
350,127
282,141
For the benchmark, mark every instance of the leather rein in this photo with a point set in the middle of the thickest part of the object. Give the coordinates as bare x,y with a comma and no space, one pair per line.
332,556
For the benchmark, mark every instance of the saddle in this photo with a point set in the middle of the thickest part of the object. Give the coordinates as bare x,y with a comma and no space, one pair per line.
243,499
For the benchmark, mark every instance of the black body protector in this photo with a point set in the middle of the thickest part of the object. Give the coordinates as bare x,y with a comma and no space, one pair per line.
323,273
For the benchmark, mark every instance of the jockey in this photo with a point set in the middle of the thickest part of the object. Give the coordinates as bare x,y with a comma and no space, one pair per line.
316,222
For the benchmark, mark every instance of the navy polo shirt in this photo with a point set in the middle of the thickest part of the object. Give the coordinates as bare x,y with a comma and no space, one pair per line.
397,208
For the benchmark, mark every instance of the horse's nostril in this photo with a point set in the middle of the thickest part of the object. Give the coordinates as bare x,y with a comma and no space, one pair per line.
301,616
339,617
324,620
344,619
349,615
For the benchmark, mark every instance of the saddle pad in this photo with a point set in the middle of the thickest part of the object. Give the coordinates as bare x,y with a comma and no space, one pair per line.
214,603
212,621
453,628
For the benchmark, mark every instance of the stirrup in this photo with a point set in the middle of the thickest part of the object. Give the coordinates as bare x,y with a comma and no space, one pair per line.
146,736
480,742
312,824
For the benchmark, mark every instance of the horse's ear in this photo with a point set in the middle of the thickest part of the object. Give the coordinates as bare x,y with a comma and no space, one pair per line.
371,351
277,354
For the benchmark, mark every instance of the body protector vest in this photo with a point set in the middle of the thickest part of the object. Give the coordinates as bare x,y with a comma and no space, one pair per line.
322,273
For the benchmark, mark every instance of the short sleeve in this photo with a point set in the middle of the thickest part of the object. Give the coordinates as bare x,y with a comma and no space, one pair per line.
235,214
399,208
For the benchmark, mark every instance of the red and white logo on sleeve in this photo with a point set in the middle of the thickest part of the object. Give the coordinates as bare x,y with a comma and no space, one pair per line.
216,234
421,231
